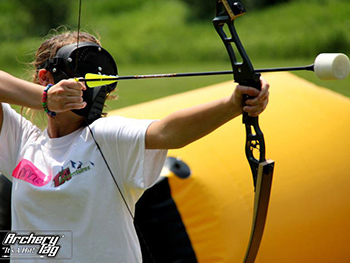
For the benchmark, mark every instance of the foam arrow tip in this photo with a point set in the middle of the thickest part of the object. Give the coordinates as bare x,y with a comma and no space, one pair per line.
329,66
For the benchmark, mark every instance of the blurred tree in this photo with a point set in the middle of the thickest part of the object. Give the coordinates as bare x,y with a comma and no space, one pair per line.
253,4
35,18
113,7
204,9
8,14
201,9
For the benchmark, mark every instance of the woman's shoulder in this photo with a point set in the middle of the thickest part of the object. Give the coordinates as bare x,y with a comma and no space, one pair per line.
120,125
120,121
14,121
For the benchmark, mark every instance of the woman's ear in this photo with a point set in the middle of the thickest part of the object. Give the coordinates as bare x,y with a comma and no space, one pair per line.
45,77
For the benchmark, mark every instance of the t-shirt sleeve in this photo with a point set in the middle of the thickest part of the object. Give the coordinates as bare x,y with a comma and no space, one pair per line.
16,131
124,139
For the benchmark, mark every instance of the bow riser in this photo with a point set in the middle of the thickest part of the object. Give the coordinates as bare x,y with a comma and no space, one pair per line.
244,74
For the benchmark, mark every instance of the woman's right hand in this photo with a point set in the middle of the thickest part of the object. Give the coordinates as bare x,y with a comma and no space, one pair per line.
66,95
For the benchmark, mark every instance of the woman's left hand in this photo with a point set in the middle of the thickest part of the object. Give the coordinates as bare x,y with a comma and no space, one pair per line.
255,105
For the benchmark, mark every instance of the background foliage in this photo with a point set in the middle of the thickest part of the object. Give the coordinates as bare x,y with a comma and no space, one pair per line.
204,9
153,36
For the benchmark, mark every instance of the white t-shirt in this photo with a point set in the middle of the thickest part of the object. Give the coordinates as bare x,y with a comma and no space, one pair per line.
63,184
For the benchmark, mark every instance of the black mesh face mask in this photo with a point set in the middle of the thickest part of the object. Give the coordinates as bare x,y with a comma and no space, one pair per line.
72,61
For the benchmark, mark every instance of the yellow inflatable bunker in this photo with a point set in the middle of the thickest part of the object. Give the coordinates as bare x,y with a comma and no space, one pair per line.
307,132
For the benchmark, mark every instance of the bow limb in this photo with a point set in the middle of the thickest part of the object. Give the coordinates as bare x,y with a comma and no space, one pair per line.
262,170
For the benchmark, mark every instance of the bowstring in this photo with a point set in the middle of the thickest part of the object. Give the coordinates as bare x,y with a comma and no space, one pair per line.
79,19
92,135
138,230
109,169
78,37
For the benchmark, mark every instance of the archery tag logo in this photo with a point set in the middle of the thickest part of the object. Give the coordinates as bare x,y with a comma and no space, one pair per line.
70,170
38,246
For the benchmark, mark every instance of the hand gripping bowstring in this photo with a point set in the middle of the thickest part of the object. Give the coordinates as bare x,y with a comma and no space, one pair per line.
243,72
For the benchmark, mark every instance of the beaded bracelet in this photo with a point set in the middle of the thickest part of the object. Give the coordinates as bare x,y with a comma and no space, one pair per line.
44,100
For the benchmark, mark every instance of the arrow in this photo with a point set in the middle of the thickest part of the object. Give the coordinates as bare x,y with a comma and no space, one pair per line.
327,66
95,80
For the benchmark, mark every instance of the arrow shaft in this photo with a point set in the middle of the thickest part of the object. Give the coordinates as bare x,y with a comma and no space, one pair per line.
309,68
194,74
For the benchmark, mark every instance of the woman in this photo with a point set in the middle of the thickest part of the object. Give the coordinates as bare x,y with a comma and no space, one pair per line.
61,181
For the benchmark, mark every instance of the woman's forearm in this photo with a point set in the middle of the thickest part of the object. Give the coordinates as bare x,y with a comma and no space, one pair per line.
63,96
20,92
188,125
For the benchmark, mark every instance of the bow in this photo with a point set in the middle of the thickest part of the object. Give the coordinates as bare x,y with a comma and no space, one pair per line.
244,74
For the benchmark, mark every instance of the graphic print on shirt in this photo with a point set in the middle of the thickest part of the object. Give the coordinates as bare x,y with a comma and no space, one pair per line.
28,172
71,169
